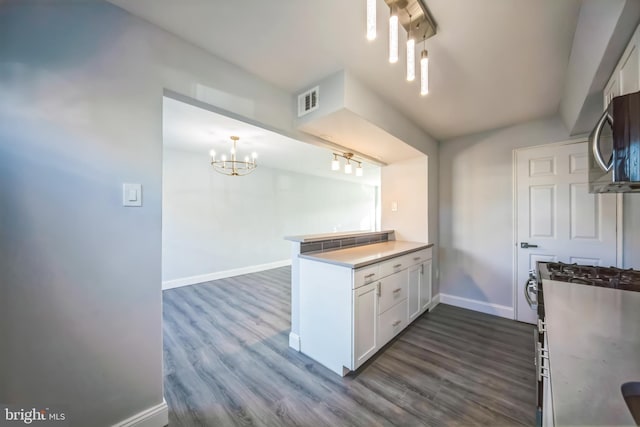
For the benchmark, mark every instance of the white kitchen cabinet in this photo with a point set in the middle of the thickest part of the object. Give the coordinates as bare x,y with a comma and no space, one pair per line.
419,289
347,314
365,325
414,303
625,78
425,285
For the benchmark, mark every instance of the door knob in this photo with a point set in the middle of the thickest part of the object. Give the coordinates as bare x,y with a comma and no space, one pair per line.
525,245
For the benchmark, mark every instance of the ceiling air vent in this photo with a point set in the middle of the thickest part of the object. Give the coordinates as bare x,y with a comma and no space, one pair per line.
308,101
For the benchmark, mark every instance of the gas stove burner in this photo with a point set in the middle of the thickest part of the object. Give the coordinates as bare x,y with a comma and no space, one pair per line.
609,277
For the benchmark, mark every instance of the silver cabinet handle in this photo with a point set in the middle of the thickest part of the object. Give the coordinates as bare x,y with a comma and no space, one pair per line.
379,288
368,276
595,142
397,266
395,291
396,323
416,258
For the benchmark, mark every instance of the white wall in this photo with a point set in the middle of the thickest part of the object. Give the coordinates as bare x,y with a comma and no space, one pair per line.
213,223
476,209
406,184
81,86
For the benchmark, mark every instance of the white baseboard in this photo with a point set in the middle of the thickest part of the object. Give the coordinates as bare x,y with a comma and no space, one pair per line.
475,305
186,281
294,341
156,416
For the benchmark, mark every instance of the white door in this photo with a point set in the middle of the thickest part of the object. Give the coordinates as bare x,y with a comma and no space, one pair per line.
557,216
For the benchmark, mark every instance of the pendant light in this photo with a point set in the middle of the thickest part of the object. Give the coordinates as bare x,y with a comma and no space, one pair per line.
393,35
335,163
371,20
411,55
424,71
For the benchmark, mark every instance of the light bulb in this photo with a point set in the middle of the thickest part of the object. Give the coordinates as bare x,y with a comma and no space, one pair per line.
371,19
254,155
359,170
393,36
347,168
224,157
411,60
424,73
335,164
233,150
212,153
246,159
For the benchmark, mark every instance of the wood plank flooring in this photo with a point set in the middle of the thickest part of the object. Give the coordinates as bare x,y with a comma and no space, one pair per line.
227,363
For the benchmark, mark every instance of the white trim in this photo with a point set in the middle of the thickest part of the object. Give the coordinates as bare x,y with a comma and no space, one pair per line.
186,281
156,416
294,341
434,302
514,220
481,306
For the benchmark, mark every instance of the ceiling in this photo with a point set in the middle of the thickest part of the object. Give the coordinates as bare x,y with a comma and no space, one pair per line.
492,63
189,128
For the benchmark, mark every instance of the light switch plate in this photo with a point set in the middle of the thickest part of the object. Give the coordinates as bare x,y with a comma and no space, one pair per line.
394,206
131,194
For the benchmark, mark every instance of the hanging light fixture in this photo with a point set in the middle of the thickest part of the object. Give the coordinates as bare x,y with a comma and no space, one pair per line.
417,21
335,163
371,20
233,167
348,166
393,35
411,55
424,72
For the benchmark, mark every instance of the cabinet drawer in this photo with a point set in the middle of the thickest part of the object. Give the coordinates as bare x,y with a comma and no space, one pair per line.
391,322
393,265
366,275
393,289
420,256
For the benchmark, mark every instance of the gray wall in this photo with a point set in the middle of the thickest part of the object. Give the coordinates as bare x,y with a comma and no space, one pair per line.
81,87
476,209
213,223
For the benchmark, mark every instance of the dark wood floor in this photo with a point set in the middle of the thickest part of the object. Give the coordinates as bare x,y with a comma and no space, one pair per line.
227,363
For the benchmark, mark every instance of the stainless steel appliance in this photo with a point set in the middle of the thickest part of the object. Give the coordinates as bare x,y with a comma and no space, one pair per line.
589,275
614,154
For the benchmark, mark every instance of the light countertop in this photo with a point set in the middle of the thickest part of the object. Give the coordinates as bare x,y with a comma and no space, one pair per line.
361,256
593,335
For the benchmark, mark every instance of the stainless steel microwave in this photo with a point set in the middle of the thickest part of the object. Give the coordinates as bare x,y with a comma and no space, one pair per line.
614,153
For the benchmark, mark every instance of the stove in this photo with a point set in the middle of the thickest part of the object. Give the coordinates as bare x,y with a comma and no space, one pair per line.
607,277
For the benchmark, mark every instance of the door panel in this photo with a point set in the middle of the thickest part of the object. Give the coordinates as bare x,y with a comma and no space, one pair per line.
556,212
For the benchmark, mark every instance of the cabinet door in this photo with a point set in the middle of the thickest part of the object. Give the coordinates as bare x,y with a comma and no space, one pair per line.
629,75
365,323
413,301
425,285
611,90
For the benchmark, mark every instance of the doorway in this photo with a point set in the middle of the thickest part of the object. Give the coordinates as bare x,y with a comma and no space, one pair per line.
556,218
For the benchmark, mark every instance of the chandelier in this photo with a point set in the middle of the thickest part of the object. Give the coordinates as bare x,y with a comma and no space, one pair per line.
348,167
414,17
232,166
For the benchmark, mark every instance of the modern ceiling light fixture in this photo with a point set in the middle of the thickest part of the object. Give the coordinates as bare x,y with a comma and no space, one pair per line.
393,35
411,55
418,23
233,167
371,20
424,72
348,166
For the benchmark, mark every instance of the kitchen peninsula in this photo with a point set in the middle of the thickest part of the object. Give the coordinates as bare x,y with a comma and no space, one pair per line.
353,292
